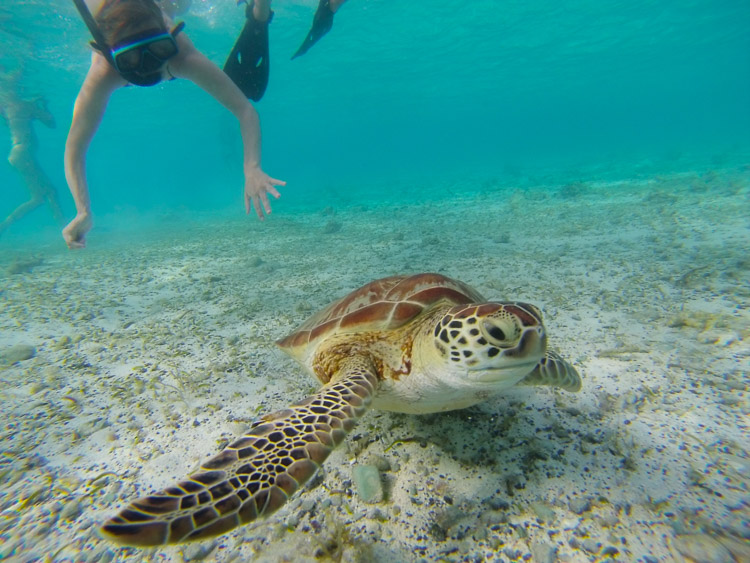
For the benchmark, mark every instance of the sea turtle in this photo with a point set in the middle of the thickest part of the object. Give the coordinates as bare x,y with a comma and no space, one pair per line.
416,344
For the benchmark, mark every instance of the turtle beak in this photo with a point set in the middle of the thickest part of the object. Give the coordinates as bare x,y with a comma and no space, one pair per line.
532,344
513,364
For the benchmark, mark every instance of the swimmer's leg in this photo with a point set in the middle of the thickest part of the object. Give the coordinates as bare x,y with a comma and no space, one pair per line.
38,184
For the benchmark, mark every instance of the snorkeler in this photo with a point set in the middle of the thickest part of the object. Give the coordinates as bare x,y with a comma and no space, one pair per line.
19,113
248,64
135,43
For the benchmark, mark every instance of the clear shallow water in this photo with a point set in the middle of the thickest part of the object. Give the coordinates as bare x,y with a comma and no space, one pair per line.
411,91
590,157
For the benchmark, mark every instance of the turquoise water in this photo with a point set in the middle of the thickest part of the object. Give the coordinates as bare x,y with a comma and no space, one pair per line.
407,92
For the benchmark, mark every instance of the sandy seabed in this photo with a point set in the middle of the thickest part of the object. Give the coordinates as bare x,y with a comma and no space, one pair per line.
125,365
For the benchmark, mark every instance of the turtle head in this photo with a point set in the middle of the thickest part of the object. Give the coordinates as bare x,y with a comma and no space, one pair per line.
492,342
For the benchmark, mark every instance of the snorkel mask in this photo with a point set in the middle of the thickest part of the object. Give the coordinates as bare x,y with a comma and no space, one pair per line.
138,58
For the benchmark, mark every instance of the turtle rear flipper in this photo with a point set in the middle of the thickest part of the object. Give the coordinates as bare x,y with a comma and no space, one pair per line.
257,473
555,372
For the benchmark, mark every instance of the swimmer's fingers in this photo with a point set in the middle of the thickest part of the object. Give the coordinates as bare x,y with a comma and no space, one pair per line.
272,190
75,232
260,200
266,205
260,203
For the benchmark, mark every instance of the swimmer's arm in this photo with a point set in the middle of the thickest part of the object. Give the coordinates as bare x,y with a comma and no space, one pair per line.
193,65
88,111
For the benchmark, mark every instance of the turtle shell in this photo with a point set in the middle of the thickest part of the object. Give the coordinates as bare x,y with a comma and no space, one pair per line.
383,304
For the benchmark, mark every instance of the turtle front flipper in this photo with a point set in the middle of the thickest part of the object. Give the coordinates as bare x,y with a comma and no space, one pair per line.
552,370
257,473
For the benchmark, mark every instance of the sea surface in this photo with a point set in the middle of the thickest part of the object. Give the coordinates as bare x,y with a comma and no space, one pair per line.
590,157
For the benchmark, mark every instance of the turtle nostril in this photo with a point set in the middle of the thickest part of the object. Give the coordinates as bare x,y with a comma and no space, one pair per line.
528,343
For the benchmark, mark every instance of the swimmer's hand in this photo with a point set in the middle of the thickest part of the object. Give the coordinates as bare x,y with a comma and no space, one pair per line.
75,232
258,185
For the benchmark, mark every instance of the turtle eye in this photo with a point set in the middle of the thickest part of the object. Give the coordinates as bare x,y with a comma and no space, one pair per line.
495,333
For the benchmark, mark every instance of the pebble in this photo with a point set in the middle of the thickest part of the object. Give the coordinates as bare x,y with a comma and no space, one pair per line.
19,353
377,514
277,532
542,552
62,343
496,503
71,511
359,514
511,553
367,482
449,517
543,512
702,549
579,505
381,462
608,520
591,545
306,505
371,528
198,551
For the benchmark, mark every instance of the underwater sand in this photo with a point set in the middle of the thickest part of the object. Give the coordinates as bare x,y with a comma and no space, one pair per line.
152,350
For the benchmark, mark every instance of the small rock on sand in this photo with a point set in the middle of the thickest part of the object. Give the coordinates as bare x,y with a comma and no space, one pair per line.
367,482
18,353
702,549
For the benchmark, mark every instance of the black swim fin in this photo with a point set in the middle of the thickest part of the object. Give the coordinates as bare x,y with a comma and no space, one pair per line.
322,24
248,64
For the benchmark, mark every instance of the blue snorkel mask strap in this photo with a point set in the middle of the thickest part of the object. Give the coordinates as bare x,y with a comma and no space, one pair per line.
99,43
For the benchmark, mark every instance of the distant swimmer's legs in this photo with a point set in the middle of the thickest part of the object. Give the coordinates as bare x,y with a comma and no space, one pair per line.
248,64
21,159
322,24
21,211
36,180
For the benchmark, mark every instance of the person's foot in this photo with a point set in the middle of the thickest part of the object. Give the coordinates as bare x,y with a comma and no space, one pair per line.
261,10
335,5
